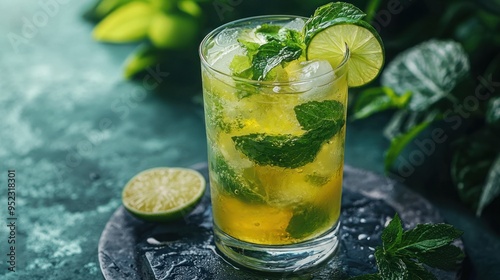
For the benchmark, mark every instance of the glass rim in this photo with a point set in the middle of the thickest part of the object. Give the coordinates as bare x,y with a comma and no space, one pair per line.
212,34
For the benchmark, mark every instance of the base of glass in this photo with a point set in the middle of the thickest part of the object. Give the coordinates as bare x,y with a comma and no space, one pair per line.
278,258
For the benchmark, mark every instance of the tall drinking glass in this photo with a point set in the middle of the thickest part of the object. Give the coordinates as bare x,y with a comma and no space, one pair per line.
275,152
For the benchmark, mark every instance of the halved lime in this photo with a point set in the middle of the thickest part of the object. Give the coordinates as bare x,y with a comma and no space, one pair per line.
164,193
365,47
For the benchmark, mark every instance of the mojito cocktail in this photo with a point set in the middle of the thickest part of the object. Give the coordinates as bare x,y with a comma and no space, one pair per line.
275,123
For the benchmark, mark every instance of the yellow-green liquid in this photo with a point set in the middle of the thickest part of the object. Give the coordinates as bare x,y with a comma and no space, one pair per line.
310,193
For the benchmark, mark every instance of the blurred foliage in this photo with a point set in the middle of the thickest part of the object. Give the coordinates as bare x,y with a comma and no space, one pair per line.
440,53
454,84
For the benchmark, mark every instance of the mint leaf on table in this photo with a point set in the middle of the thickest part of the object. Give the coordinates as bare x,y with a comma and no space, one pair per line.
426,237
392,234
417,271
321,120
390,266
328,15
446,257
403,253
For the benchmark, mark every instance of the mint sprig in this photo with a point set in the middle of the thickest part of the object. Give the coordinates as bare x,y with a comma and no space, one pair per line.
403,253
320,120
281,45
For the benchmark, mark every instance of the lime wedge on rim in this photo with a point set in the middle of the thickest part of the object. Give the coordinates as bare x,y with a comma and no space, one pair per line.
164,193
365,48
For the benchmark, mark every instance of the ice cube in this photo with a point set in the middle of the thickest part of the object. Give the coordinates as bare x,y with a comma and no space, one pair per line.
296,24
227,37
224,47
221,59
311,78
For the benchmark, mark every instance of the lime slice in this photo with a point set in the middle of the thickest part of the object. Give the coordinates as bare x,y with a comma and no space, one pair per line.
365,48
163,194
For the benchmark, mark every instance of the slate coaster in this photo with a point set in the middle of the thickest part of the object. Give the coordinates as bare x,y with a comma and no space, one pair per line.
132,249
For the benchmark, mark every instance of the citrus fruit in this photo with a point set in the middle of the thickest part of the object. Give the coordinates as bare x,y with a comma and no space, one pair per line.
164,193
364,44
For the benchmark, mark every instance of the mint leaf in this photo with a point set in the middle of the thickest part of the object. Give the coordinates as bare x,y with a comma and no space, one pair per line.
270,31
279,150
390,266
425,237
271,55
251,47
447,257
328,15
267,47
417,271
280,46
322,120
286,151
392,234
403,253
316,115
231,183
317,180
306,221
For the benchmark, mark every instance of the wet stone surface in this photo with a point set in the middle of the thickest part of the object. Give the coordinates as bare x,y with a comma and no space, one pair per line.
133,249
